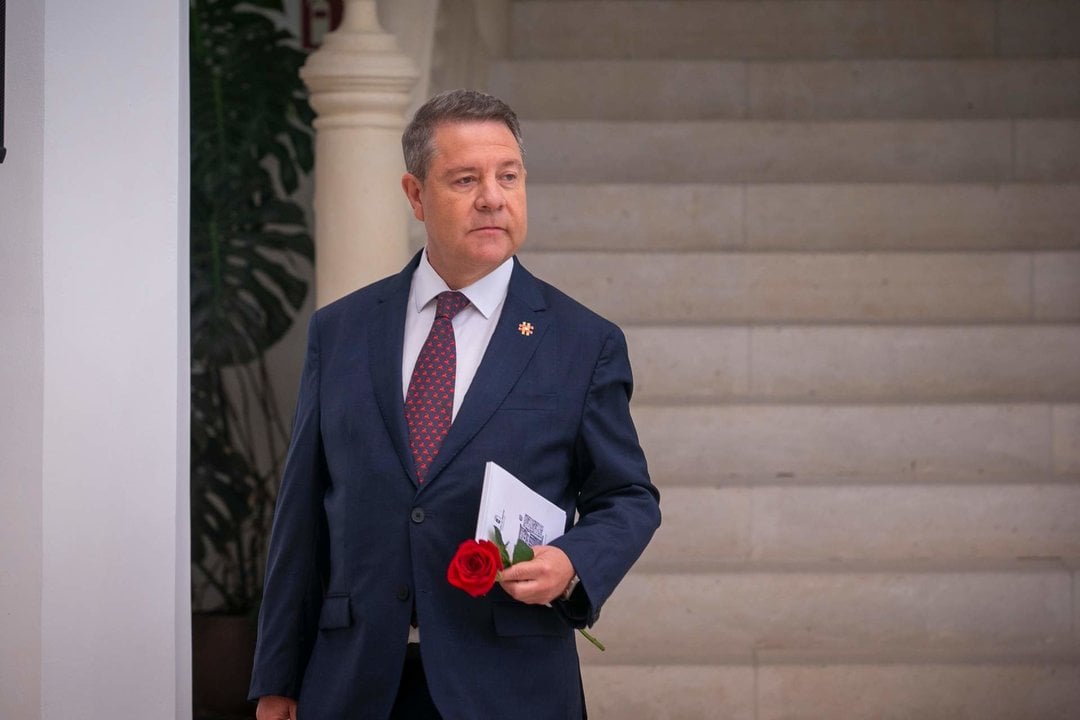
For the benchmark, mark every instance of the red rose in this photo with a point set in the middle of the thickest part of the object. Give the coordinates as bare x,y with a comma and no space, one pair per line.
475,566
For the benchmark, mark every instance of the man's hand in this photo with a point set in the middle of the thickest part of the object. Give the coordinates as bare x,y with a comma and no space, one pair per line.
540,580
275,707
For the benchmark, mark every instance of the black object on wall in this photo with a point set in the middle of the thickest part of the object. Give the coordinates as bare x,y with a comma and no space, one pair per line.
3,15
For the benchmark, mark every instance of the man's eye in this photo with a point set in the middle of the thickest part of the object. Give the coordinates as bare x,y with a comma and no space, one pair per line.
509,177
467,180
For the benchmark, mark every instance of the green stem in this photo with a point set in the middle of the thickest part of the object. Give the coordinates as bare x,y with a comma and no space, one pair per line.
591,638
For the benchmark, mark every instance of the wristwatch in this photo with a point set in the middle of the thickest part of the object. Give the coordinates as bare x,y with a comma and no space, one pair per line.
570,587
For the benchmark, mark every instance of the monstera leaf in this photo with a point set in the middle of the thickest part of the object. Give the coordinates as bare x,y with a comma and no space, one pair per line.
250,119
251,253
224,485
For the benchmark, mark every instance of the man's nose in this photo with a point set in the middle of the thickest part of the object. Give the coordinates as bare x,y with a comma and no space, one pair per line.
490,195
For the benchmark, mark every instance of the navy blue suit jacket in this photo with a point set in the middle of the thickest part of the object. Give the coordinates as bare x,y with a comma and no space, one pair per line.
357,540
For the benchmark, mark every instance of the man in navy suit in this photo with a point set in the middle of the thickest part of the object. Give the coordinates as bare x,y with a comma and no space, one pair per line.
358,619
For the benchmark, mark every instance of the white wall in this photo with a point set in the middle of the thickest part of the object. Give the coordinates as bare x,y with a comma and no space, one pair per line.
93,223
21,367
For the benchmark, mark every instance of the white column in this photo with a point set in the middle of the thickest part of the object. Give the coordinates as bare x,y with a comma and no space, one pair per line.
360,84
115,611
22,359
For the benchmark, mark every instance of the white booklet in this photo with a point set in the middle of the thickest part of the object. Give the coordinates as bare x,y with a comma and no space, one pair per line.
517,510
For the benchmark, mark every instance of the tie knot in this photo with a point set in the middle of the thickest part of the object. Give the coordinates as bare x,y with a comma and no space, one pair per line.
450,304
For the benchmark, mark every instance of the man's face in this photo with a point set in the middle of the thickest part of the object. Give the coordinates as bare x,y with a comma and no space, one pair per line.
473,200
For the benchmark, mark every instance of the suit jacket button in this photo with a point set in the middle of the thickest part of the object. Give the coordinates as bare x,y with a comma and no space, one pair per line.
418,515
403,593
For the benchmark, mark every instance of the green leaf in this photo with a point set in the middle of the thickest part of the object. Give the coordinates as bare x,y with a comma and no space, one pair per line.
270,4
497,538
522,552
286,167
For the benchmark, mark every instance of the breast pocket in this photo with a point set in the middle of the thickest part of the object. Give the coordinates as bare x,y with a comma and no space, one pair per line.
335,613
347,407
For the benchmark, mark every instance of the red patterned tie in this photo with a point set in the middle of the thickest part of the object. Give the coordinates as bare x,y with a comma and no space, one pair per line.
429,403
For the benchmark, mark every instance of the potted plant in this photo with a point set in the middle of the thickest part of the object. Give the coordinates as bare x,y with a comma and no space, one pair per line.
251,253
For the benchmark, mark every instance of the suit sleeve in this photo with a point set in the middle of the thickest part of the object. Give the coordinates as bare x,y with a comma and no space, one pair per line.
288,615
618,506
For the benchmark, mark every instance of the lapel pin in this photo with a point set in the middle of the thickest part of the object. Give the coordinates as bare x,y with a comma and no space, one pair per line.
525,329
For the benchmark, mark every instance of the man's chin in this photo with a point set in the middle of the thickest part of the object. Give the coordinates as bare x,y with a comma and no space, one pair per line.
491,247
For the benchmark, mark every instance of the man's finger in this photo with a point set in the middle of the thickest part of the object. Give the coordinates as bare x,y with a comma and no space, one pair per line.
527,570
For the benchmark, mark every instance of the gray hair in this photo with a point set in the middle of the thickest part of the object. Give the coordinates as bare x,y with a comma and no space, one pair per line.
417,142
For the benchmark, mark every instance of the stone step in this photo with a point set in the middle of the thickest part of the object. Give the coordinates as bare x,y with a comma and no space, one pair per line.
697,444
842,529
791,29
804,217
782,29
808,90
894,522
1046,27
822,688
1057,288
855,363
733,611
759,151
699,288
1047,151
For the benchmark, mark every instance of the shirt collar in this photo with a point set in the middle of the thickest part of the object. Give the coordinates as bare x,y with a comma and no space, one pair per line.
485,294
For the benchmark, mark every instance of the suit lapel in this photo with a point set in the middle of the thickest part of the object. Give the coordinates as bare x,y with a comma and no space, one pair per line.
385,346
504,361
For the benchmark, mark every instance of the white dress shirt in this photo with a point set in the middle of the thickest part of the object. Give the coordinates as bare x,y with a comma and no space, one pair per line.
473,326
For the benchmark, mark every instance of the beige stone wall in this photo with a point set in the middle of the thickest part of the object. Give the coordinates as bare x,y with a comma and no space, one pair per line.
842,240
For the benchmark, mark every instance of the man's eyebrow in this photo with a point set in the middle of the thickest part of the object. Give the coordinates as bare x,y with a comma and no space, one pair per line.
459,169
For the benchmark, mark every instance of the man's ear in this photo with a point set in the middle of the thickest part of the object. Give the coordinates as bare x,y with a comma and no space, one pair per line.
411,186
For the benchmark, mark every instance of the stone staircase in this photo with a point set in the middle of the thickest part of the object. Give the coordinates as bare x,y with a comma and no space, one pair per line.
843,237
